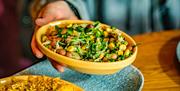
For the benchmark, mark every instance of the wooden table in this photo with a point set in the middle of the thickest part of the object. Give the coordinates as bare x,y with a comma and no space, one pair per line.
157,60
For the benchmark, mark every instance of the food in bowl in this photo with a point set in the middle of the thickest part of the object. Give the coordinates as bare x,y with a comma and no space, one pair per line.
36,83
88,42
87,66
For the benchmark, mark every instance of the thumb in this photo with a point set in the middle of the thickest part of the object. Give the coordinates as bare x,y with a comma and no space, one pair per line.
57,66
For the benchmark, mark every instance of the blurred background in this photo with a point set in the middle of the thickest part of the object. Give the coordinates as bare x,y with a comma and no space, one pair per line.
132,16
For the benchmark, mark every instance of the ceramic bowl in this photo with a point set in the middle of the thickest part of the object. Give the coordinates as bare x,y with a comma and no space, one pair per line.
80,65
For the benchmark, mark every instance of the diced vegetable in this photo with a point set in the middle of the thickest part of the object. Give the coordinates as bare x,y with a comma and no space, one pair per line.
120,52
71,48
111,45
88,42
105,34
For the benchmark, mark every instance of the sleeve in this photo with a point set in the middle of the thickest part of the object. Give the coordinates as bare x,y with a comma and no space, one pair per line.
79,8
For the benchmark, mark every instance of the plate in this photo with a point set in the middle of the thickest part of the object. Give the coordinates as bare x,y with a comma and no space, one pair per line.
178,51
128,79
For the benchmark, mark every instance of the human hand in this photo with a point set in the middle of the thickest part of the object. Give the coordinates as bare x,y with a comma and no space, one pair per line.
58,10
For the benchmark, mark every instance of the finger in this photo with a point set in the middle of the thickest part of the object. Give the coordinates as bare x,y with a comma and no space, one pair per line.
44,20
41,12
35,50
34,47
57,66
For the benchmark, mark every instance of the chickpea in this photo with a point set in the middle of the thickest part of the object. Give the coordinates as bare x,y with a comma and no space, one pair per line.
69,54
111,45
114,56
61,51
64,31
122,47
90,26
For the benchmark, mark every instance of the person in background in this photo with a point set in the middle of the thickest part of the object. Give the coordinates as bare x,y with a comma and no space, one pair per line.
11,60
131,16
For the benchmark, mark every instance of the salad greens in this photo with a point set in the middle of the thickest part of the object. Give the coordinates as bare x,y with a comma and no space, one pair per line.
88,42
